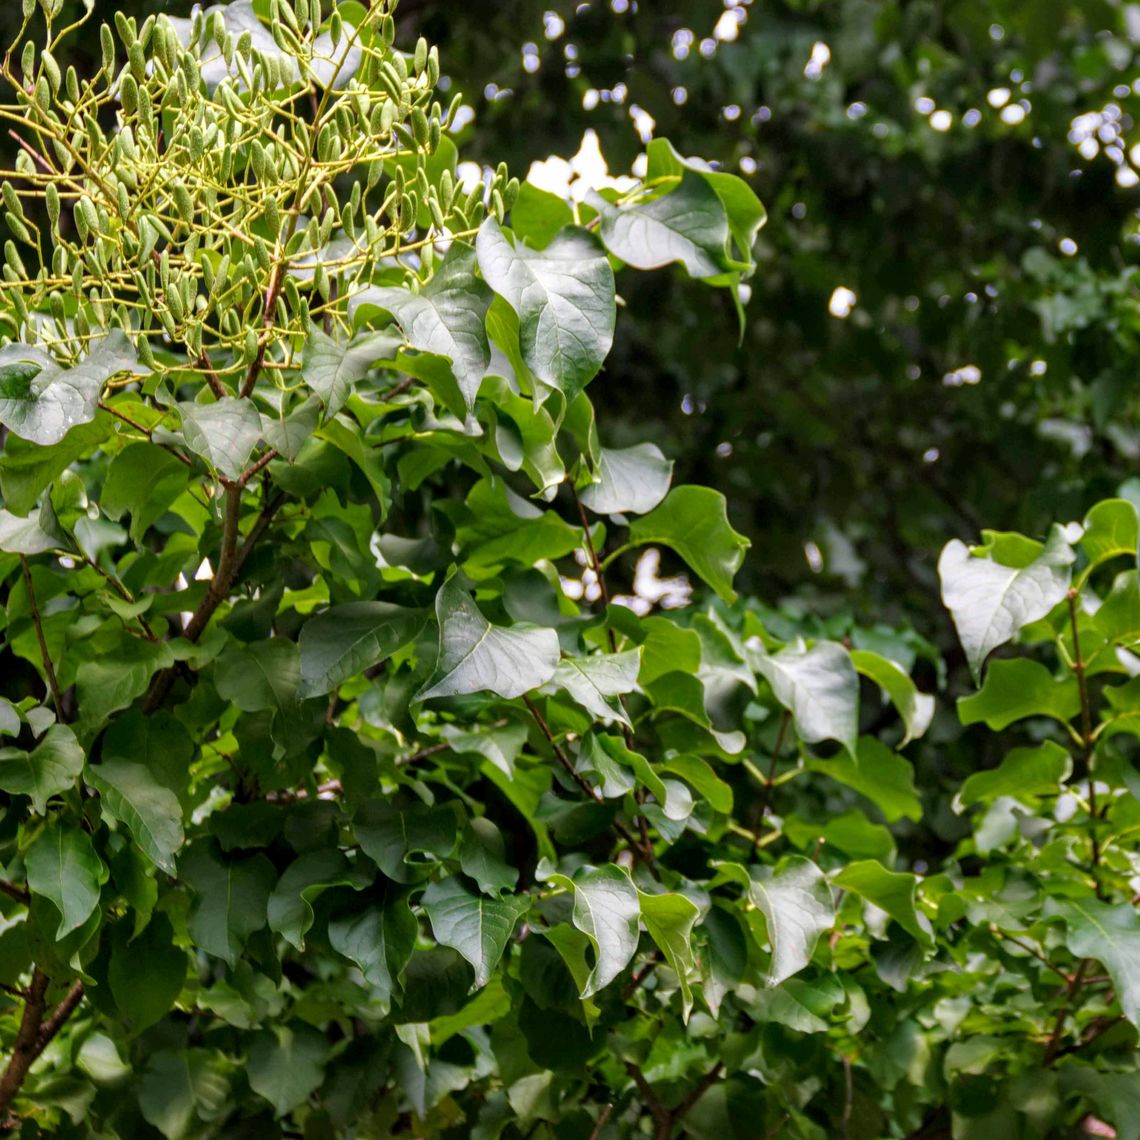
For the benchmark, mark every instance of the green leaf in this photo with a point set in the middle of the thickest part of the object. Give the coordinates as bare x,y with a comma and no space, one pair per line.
992,603
797,907
564,298
144,481
915,708
41,401
379,939
113,680
288,434
1025,772
223,433
746,213
669,918
146,974
606,910
290,910
51,767
405,842
27,471
62,866
475,656
232,895
629,480
596,682
483,857
1115,1097
819,687
880,774
687,224
477,926
699,774
538,215
286,1065
1118,617
261,675
890,891
130,794
1112,528
1111,934
1020,688
693,521
448,317
331,368
343,641
38,533
178,1088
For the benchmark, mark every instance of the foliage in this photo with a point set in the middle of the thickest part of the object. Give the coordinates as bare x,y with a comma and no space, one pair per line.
344,794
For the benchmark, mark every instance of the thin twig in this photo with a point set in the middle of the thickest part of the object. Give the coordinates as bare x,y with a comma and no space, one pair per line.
579,779
707,1081
657,1110
45,656
1075,982
603,1117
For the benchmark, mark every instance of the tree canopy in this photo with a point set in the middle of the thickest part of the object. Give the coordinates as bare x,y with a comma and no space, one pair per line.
505,644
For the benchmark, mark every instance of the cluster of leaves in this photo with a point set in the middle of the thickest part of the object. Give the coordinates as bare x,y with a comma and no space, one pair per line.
342,797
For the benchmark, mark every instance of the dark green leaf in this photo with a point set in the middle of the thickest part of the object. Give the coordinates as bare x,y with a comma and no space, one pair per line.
475,656
51,767
693,521
343,641
477,926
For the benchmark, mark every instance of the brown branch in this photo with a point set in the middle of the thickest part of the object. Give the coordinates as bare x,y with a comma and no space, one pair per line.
212,378
766,793
582,782
1052,1049
230,562
60,1014
257,467
707,1081
657,1110
26,1048
32,153
45,656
